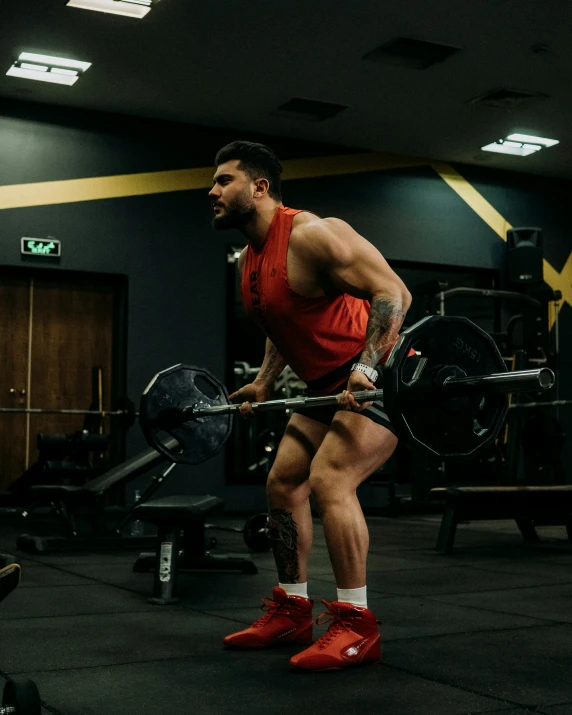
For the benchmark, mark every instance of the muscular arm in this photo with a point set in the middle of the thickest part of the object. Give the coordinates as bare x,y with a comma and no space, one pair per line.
272,365
353,265
385,319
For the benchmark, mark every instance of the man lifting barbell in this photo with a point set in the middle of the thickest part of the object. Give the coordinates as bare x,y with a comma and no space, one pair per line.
331,308
327,300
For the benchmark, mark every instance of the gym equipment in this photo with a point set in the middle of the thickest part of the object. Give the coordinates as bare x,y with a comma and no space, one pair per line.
529,506
71,459
254,532
42,411
69,502
9,575
21,697
453,406
167,393
180,543
126,416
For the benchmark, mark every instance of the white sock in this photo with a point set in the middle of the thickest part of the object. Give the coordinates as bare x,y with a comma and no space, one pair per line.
295,589
355,596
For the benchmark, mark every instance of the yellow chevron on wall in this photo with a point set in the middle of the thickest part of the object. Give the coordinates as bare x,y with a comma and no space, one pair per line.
557,281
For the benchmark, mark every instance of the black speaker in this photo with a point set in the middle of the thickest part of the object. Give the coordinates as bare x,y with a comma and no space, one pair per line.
524,258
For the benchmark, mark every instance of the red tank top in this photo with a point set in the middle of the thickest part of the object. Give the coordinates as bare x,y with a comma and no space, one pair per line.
314,335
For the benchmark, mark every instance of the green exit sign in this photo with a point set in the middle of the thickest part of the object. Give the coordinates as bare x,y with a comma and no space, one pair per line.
41,247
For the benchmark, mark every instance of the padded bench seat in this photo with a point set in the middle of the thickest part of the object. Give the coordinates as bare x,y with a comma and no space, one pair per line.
177,509
180,544
529,506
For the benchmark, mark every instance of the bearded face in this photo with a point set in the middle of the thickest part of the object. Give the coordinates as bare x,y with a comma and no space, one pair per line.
233,212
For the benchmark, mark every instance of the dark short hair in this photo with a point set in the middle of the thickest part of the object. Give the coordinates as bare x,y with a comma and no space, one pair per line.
255,160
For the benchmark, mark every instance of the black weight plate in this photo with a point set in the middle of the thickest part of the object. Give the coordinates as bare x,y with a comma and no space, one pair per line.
22,695
176,388
446,428
255,533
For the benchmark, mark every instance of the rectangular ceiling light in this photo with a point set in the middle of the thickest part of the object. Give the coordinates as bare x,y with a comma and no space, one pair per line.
54,61
532,140
41,76
47,68
519,145
128,8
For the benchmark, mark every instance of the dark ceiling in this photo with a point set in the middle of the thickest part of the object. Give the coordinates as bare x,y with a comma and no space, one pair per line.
233,63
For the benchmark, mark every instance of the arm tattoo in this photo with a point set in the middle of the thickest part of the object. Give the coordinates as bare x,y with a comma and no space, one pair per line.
272,365
385,319
284,538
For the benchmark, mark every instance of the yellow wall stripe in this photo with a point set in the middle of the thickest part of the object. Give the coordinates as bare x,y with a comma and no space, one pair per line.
157,182
114,187
103,187
557,281
346,164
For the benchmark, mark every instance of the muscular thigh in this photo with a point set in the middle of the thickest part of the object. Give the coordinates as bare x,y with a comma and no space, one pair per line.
353,448
298,446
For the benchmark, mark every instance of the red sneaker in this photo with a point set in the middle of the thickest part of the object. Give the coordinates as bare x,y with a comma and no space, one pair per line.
351,639
288,619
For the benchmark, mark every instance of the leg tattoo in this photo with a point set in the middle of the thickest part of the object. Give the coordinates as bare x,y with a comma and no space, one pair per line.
284,537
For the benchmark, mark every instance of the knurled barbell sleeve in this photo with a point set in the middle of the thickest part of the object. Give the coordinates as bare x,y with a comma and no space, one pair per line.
517,381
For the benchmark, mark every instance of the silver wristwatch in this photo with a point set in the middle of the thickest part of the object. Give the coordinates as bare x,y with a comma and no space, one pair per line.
369,372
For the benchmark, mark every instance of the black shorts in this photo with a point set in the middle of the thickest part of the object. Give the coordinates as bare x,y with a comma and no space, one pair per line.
375,412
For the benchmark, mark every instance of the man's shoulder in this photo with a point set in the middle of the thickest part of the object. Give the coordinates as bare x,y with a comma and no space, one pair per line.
308,227
305,224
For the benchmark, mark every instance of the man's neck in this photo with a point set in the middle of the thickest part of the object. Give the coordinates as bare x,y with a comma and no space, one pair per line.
257,229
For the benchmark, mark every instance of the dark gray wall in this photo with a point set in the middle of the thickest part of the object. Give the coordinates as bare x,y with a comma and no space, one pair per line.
175,263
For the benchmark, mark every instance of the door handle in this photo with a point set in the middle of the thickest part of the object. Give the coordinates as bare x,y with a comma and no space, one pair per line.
21,392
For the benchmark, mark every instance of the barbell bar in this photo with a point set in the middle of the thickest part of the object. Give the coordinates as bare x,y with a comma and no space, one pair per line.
551,403
452,406
42,411
517,381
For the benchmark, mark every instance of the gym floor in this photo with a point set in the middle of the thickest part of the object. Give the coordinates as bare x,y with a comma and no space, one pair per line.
485,630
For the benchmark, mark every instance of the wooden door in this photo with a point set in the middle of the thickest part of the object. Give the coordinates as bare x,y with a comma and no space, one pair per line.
72,333
55,332
14,332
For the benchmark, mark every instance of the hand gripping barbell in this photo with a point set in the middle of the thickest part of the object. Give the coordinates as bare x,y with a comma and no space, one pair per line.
452,406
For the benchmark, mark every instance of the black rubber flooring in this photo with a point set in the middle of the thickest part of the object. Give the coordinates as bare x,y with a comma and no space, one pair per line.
487,629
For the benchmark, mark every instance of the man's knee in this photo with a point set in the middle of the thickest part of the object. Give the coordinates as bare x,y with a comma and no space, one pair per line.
286,486
328,486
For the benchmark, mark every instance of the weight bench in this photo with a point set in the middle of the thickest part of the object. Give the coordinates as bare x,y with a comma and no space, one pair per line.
68,501
528,506
180,543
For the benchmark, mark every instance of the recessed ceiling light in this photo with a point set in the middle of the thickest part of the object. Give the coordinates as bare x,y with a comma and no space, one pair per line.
519,145
129,8
533,140
15,71
47,68
54,61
